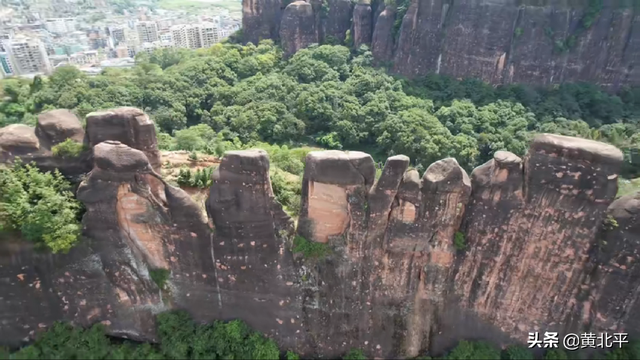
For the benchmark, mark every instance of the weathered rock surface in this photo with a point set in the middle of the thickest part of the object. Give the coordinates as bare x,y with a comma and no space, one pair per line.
16,140
362,25
298,28
394,280
382,41
34,145
254,274
128,125
499,41
530,235
338,19
261,19
617,277
56,126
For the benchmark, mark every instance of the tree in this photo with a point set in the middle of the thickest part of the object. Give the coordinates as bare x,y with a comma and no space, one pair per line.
39,205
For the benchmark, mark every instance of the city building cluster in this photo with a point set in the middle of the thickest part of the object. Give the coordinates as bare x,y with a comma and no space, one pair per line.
37,36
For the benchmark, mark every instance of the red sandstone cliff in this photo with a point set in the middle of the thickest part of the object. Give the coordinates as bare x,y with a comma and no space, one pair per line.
392,282
498,41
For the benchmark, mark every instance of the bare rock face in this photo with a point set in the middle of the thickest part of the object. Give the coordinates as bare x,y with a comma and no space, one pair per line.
382,42
56,126
615,285
339,19
362,24
127,125
16,140
261,19
298,28
254,274
529,236
498,41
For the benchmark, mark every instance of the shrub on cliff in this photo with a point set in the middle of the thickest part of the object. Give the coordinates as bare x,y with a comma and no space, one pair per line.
68,149
40,205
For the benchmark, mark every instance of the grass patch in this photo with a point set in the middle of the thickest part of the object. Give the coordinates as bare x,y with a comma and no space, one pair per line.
160,276
310,249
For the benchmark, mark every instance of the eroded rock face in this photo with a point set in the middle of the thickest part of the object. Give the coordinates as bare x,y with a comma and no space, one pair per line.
339,19
615,285
382,42
298,28
530,234
34,145
261,19
393,281
362,25
56,126
127,125
17,140
498,41
254,272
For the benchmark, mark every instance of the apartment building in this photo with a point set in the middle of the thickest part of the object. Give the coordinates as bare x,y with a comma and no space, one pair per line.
6,65
117,34
60,25
209,34
186,36
28,56
147,31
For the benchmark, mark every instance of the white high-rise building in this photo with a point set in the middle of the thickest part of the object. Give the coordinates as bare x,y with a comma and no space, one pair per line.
147,31
186,36
195,36
209,34
60,25
28,56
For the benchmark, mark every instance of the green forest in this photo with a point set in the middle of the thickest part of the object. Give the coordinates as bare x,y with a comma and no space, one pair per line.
180,337
330,97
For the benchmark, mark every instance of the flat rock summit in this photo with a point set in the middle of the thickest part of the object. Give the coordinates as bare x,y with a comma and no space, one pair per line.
535,256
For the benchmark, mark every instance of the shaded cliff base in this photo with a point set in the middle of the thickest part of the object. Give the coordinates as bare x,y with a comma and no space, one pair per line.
536,256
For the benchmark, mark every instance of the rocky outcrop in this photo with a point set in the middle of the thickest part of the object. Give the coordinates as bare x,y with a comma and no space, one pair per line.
338,19
261,19
254,275
127,125
396,265
615,282
526,264
383,41
298,28
502,41
362,25
35,144
56,126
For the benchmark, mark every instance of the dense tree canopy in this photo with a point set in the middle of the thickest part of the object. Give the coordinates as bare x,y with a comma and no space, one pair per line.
39,205
330,97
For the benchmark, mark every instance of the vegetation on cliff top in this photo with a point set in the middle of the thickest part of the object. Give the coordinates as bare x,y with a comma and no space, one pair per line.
329,97
39,205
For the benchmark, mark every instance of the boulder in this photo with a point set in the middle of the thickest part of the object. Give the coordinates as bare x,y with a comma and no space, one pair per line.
56,126
17,139
130,126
